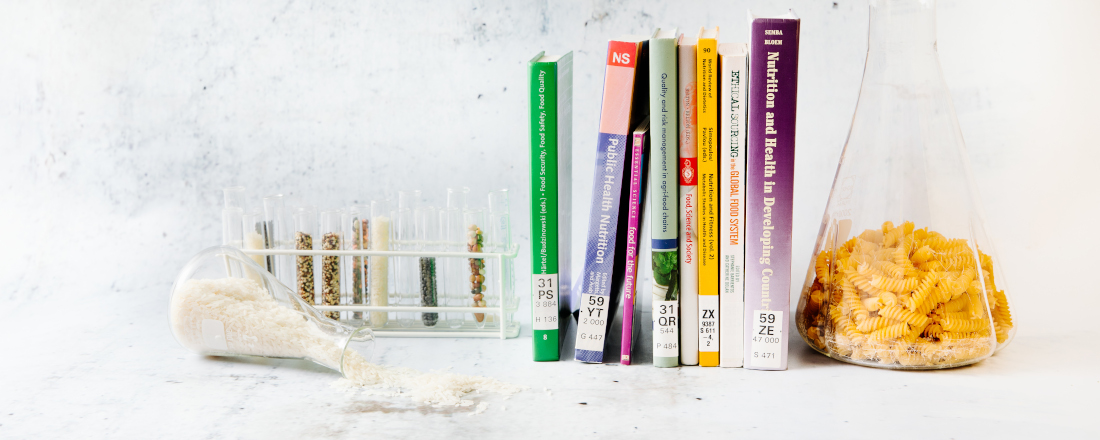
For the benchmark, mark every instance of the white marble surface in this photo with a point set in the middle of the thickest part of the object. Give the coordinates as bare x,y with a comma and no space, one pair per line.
119,122
110,369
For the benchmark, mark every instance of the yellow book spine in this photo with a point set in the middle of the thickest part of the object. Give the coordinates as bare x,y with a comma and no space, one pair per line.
707,71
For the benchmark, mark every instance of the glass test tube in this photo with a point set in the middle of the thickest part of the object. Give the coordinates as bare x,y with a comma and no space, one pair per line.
305,228
252,224
427,238
232,234
500,237
406,290
454,278
378,292
274,233
357,237
330,265
232,231
456,202
456,197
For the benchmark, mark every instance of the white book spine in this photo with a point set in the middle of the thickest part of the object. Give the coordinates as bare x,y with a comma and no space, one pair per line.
731,214
689,200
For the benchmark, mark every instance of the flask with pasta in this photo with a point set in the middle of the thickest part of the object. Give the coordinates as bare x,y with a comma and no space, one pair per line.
903,274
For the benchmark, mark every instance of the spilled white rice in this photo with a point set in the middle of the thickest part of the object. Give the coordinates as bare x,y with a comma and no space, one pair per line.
255,324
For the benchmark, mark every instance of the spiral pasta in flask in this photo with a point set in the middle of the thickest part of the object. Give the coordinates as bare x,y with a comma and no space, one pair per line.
907,297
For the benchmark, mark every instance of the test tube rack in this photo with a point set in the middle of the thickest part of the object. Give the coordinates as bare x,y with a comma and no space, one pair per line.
499,320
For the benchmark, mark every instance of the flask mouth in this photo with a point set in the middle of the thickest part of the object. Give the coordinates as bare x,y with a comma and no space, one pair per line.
359,347
901,25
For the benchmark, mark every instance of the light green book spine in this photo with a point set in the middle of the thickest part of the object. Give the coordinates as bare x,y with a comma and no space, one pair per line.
664,197
550,113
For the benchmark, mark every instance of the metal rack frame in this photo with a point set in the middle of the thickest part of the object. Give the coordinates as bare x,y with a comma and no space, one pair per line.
508,327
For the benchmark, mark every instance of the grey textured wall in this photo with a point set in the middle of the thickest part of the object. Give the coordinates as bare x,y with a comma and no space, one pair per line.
120,121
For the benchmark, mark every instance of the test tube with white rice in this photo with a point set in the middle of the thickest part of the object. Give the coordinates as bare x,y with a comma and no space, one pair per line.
379,265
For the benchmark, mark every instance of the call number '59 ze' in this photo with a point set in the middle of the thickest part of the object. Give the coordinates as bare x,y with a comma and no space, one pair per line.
766,330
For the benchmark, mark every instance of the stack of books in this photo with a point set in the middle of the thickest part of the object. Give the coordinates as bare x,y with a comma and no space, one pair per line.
696,144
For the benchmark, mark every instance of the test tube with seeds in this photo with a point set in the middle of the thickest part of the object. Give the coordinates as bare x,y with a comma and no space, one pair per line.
330,265
427,237
305,227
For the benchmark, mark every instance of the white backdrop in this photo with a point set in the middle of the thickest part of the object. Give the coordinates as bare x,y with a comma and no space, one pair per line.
120,121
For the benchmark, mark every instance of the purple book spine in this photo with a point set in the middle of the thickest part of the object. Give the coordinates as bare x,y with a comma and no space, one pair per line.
773,91
597,299
632,239
598,280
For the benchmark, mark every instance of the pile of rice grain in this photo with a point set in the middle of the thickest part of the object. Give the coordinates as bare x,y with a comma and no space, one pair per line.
255,324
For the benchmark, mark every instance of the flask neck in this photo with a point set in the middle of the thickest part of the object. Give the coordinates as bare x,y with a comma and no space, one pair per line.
902,26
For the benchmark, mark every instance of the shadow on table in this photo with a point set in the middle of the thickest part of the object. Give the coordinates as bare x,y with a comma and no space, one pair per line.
297,364
801,355
640,354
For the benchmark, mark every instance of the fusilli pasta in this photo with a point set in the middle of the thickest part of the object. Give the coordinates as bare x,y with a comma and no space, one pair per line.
907,296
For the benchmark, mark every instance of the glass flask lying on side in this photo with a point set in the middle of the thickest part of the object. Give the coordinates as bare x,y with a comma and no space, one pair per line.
903,274
212,313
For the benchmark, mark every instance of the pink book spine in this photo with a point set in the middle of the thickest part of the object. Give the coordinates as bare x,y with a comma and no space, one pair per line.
633,230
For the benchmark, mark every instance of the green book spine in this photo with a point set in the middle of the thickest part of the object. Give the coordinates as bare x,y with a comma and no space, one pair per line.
544,209
664,197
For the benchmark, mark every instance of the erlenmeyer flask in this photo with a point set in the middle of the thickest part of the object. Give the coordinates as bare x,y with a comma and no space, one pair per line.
903,274
212,313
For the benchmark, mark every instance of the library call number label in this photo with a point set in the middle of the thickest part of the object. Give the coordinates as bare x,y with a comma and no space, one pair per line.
544,301
666,338
708,323
767,338
592,322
